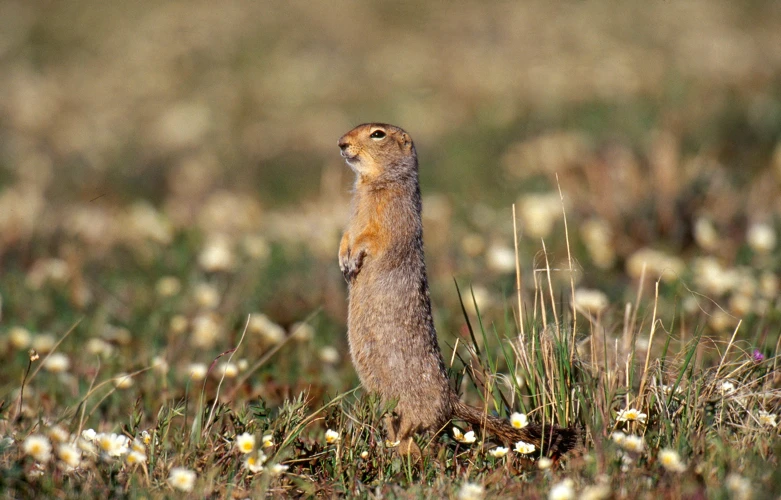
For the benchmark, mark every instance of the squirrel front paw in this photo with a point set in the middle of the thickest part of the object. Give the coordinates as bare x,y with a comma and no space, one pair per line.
350,263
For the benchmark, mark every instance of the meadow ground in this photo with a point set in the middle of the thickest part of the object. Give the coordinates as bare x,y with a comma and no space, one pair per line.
172,316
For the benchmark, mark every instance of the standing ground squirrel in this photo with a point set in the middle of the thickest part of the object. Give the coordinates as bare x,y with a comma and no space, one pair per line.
391,333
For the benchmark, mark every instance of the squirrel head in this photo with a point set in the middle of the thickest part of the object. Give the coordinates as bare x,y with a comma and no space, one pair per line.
378,151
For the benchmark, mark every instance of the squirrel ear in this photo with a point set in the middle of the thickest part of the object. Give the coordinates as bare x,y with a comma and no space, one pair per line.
405,141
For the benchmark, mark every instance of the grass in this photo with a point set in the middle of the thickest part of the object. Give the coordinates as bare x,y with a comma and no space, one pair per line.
171,201
712,403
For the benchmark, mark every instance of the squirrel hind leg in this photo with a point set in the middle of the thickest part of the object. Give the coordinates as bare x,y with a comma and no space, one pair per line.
400,430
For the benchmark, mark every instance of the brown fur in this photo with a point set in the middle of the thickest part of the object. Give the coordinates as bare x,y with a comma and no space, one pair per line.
391,333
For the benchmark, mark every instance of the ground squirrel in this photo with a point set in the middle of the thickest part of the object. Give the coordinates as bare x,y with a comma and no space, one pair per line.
391,333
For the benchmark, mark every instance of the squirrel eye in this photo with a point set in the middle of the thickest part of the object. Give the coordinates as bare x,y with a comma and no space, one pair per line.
377,134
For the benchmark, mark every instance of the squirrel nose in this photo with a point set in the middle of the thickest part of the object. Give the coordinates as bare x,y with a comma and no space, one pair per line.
343,144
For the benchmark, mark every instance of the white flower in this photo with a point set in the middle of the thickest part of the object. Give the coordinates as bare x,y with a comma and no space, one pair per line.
217,255
38,447
739,486
255,461
245,443
270,332
89,434
768,419
364,454
58,435
499,451
69,454
595,492
268,441
633,443
329,355
160,365
519,420
727,387
19,337
278,469
205,330
230,370
618,438
57,363
113,445
86,446
136,457
331,436
168,286
181,479
123,381
524,448
467,438
471,491
761,237
544,463
392,444
564,490
44,343
631,415
500,259
197,371
671,461
593,301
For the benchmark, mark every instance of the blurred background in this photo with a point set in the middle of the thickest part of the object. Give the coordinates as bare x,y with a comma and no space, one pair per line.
170,165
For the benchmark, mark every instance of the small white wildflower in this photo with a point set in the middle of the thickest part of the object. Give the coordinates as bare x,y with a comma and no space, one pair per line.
633,443
519,420
87,446
178,323
331,436
761,237
89,434
146,437
205,330
524,448
217,255
499,451
136,457
113,445
268,441
564,490
58,435
329,355
471,491
593,301
57,363
631,415
230,370
99,347
69,454
181,479
245,443
544,463
500,259
767,418
618,438
197,371
270,332
596,492
242,364
160,365
123,381
255,461
44,343
38,447
468,437
138,445
168,286
671,461
302,332
278,469
727,387
19,337
392,444
739,486
364,454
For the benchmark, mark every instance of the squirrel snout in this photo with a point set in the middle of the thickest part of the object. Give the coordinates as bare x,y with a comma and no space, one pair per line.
343,144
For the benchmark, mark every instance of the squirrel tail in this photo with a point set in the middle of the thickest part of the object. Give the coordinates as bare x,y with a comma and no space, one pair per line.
554,440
